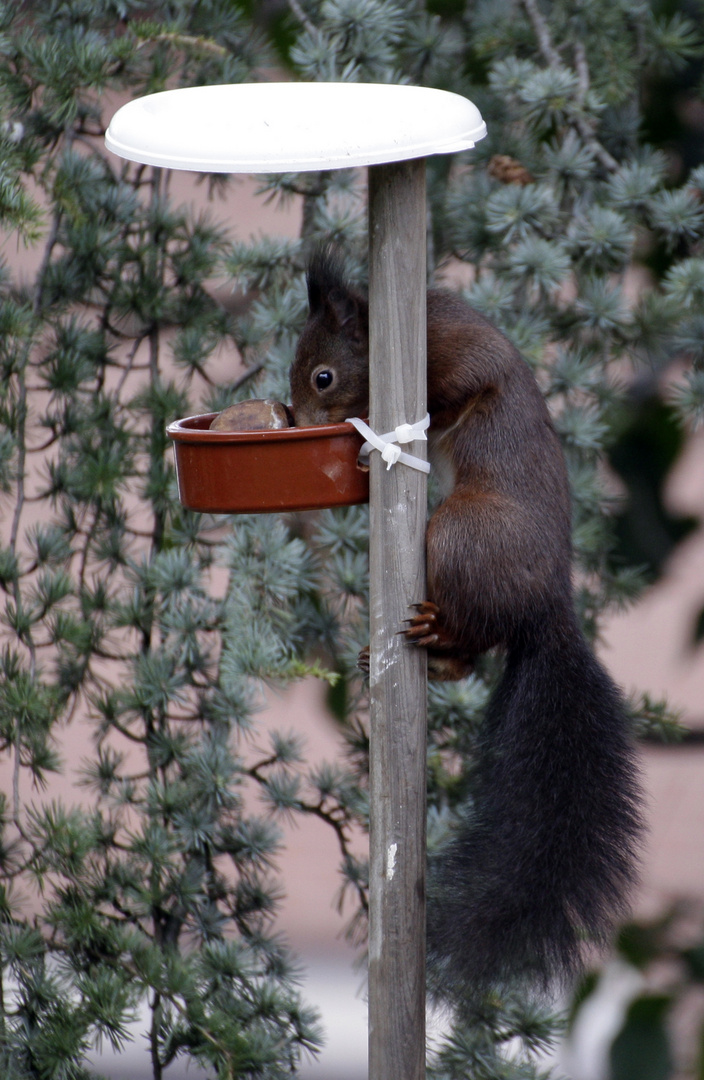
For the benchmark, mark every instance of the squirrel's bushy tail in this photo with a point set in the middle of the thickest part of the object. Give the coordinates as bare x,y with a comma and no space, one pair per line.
546,861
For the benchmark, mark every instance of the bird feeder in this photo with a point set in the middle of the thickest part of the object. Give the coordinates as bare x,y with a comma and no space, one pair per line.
296,127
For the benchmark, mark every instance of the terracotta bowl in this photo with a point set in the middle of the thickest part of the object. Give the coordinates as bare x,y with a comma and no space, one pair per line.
250,472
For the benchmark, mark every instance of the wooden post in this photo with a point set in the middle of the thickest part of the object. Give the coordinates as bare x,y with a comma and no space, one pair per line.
398,672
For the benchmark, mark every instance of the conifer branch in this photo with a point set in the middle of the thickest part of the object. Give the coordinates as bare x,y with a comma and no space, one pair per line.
580,60
554,60
303,19
186,41
542,33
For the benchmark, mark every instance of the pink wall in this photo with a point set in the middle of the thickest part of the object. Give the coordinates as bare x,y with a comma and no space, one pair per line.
646,649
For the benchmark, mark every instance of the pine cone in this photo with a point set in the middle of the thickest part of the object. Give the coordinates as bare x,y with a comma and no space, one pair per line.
508,170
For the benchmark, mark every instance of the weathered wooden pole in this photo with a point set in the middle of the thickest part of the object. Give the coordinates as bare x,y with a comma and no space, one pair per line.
398,672
263,127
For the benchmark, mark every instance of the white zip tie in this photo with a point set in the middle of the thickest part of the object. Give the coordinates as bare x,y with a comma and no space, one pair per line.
387,444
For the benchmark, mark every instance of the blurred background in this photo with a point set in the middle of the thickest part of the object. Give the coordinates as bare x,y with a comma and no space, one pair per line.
202,305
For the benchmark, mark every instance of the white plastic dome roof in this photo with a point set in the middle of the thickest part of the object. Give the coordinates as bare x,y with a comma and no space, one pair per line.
292,127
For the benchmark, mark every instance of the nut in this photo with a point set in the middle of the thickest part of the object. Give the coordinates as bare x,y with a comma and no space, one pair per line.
255,415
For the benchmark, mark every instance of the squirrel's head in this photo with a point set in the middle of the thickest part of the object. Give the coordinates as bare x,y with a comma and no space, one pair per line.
330,373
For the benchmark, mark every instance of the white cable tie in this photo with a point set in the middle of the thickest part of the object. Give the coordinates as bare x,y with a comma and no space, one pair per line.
391,454
386,444
406,433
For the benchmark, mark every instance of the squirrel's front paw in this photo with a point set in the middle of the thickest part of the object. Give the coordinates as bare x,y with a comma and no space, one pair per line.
363,660
425,630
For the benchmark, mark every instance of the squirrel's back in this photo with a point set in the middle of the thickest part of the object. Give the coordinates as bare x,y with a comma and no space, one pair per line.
546,858
499,545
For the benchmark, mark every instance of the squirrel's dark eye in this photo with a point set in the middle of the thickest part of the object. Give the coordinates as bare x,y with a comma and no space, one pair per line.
323,379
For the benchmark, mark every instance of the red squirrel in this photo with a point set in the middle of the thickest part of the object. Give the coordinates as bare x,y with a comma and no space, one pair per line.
545,861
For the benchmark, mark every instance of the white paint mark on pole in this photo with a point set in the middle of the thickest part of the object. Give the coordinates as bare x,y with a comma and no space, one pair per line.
391,862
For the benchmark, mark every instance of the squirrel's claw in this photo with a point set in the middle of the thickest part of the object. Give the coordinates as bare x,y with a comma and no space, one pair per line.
423,642
425,631
423,628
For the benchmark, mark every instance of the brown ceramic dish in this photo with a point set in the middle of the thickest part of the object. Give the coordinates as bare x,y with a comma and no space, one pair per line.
245,472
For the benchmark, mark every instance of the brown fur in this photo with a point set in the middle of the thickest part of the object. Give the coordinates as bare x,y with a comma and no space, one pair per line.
499,545
547,857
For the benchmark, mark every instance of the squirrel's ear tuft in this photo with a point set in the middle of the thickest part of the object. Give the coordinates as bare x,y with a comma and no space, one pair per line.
325,276
329,292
